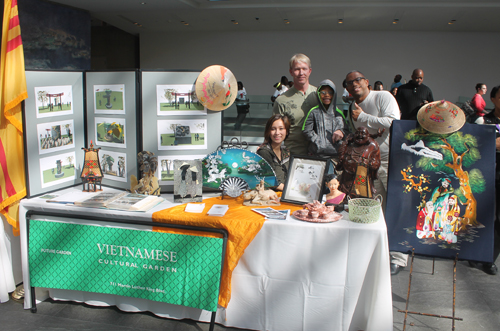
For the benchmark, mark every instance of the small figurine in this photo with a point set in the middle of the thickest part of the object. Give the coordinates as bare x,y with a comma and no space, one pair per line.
359,158
260,196
149,183
335,196
317,212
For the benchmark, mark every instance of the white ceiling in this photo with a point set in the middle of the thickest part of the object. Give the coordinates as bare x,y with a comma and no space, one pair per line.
316,15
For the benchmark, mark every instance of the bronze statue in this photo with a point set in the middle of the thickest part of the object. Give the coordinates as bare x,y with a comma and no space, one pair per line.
359,158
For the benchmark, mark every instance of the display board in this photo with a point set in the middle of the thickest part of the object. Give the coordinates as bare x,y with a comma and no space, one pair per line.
53,130
441,191
174,124
112,106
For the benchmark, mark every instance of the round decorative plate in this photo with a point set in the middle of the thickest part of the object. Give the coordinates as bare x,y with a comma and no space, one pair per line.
234,186
334,218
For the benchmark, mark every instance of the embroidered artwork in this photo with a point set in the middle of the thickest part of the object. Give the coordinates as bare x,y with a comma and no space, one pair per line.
441,191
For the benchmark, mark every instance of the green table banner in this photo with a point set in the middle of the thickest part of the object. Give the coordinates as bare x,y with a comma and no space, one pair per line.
173,268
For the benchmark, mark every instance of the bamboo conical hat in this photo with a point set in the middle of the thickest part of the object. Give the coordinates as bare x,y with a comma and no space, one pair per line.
441,117
216,87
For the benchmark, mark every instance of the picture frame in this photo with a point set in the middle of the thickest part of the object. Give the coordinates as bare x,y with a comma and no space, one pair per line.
305,180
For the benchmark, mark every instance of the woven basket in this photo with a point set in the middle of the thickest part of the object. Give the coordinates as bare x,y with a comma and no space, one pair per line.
362,210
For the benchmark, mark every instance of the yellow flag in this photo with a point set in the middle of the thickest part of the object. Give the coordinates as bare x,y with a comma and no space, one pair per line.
12,92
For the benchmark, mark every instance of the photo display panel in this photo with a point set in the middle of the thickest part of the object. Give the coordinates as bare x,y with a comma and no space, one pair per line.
112,123
54,130
174,123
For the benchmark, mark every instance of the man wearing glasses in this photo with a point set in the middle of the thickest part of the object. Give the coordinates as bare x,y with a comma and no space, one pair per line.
413,95
296,102
375,110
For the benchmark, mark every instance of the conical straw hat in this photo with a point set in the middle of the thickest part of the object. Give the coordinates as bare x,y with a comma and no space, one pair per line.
441,117
216,87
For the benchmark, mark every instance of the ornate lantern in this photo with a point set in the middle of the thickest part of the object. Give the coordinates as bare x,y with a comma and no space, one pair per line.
91,173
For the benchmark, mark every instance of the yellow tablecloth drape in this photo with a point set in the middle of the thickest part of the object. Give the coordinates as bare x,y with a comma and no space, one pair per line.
240,221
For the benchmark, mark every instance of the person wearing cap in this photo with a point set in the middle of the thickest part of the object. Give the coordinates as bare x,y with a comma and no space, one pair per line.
296,102
413,95
375,110
324,124
281,87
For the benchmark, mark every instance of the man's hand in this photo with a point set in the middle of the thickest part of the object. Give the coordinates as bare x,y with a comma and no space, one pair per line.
356,110
337,135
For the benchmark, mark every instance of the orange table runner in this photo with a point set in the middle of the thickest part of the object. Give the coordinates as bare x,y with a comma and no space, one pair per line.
240,221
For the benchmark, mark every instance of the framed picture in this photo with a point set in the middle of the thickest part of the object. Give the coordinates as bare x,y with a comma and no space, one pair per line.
305,180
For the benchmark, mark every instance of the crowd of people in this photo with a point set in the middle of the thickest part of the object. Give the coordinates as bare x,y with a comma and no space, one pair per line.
307,121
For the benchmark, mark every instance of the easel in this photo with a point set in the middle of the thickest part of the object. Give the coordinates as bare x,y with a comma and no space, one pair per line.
452,317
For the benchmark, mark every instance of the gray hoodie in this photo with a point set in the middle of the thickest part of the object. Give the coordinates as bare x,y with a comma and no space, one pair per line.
320,123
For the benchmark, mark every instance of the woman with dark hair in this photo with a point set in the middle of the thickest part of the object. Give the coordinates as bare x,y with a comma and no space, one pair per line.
378,86
478,102
273,151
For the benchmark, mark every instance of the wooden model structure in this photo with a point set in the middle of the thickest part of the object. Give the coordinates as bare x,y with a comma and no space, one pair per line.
91,173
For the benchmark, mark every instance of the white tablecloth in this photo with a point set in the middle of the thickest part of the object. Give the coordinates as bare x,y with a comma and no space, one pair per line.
293,276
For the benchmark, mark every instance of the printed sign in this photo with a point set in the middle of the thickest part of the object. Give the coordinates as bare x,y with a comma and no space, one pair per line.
173,268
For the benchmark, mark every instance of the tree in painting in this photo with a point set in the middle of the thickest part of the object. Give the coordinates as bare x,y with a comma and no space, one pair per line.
460,152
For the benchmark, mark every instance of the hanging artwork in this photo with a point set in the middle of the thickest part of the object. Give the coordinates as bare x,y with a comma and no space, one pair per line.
110,132
178,99
188,181
55,136
182,134
109,99
53,101
114,165
57,169
441,191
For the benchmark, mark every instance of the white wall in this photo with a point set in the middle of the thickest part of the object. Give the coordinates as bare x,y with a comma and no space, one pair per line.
452,62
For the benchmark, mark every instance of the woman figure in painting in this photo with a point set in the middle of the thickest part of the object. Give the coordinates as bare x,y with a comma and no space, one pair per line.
335,196
440,199
448,233
453,214
273,150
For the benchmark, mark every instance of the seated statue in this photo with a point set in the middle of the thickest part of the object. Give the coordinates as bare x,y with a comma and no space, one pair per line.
149,183
359,159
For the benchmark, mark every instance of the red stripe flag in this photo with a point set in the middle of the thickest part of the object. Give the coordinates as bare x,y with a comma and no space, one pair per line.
12,92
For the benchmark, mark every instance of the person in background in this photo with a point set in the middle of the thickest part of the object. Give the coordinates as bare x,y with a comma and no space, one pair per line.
281,87
413,95
394,91
242,106
324,124
397,81
493,118
478,102
378,86
273,150
296,102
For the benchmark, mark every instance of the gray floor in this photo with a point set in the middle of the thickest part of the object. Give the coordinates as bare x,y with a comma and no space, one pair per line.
477,302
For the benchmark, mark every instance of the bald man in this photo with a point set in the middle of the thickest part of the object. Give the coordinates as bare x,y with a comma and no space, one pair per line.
413,95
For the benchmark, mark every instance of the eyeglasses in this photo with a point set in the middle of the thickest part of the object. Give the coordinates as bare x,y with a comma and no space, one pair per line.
323,93
357,80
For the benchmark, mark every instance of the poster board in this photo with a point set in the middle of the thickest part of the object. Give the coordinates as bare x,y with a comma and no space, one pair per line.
112,100
53,130
174,124
438,210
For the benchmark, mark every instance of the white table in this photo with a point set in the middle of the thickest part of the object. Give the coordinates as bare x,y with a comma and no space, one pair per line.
294,276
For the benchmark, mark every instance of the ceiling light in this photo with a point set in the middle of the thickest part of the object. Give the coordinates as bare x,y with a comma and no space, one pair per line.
234,22
452,22
143,3
396,21
286,21
184,22
341,21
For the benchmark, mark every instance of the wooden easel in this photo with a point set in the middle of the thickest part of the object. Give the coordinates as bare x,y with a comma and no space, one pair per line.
452,317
